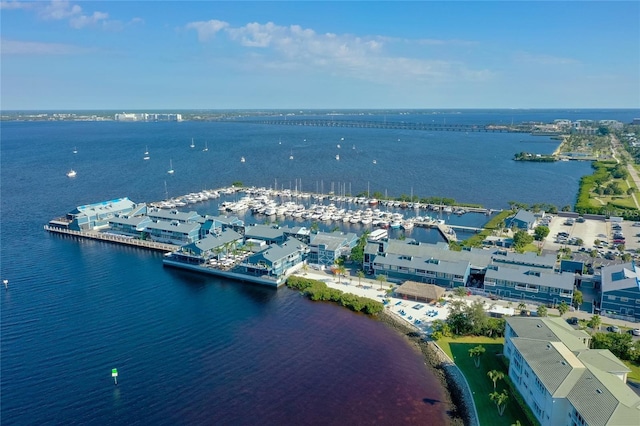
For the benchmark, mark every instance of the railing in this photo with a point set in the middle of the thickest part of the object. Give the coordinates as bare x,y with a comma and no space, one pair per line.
525,288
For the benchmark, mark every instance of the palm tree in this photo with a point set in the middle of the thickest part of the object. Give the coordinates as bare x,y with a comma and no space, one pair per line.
340,270
542,311
522,307
500,399
381,279
360,275
475,354
495,375
595,322
563,308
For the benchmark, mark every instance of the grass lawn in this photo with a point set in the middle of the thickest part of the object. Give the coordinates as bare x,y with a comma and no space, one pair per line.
635,371
481,385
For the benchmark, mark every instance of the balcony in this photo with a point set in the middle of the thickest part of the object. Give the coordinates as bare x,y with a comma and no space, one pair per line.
526,288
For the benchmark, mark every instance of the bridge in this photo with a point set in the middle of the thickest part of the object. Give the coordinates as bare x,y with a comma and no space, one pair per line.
364,124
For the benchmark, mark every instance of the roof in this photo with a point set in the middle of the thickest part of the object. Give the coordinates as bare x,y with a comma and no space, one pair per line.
588,378
179,227
459,267
111,206
263,232
211,241
551,362
620,277
524,216
333,240
534,276
172,215
416,289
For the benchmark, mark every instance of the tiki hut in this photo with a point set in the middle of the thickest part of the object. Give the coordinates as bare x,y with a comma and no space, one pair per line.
419,291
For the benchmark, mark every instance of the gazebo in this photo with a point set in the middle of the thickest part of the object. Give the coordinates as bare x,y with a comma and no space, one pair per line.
420,291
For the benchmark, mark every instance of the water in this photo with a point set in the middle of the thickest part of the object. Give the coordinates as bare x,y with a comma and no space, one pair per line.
194,349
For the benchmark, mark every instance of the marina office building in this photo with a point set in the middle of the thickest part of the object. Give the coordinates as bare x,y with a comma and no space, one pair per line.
562,380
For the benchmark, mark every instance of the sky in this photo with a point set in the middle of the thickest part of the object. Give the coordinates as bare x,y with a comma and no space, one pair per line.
137,55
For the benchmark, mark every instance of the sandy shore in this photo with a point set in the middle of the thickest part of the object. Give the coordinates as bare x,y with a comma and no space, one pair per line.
460,405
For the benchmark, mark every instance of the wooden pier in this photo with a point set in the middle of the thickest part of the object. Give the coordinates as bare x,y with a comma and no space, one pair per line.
114,238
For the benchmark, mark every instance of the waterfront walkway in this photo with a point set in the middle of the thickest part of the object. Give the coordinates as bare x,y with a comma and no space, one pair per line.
113,238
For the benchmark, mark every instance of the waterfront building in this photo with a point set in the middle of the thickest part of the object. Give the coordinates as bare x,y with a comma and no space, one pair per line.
214,224
97,215
523,220
277,261
173,232
213,245
173,215
620,296
562,380
512,281
132,226
327,247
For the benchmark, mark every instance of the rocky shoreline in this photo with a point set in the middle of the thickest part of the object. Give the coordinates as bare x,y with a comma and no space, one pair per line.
461,411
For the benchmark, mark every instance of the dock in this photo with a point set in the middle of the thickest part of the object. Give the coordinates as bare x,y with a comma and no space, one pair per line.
114,238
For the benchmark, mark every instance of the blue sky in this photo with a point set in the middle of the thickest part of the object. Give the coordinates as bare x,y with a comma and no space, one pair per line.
219,55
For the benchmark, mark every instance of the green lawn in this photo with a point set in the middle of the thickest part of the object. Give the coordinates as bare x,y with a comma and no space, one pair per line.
481,385
635,371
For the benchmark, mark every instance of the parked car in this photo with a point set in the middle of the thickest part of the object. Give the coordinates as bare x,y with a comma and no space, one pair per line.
636,331
572,320
613,329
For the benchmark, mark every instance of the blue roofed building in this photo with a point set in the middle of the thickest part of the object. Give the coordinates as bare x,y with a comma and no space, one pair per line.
97,215
512,281
327,247
277,261
267,233
523,220
214,224
620,296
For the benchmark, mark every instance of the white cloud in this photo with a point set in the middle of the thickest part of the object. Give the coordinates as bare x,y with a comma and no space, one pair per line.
207,30
58,10
18,47
295,48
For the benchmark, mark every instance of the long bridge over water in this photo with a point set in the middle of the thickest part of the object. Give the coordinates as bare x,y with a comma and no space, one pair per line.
396,125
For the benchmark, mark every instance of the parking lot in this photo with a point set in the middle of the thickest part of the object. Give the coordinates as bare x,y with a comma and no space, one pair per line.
567,233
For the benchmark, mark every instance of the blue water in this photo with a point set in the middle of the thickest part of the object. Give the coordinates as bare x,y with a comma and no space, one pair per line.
193,349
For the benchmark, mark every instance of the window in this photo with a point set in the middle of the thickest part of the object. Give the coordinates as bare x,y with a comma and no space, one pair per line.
624,299
611,298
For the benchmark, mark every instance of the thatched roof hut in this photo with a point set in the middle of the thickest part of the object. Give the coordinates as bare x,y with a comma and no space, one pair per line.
420,291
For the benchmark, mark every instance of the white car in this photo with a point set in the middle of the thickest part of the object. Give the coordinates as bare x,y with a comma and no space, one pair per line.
636,331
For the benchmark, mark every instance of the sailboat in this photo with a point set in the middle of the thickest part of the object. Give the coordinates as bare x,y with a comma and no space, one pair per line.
71,173
146,153
291,155
206,147
338,157
170,171
192,144
75,149
242,159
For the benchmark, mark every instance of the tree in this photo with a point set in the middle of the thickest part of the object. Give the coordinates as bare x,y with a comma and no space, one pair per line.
381,279
595,322
475,353
500,399
542,311
495,375
360,275
340,271
563,308
522,307
577,298
541,232
460,291
476,317
521,239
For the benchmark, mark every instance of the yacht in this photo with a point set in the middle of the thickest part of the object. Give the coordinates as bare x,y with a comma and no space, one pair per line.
75,150
170,171
71,173
338,157
242,159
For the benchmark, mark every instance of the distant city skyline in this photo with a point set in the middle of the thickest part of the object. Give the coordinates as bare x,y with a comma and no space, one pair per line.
64,55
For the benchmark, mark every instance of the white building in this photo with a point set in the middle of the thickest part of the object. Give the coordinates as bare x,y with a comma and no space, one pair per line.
562,380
